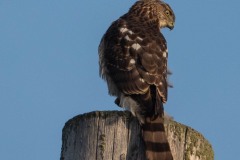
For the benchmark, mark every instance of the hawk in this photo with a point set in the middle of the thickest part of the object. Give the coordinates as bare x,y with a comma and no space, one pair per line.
133,60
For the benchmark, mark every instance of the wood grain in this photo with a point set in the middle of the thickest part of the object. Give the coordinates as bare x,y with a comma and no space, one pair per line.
116,135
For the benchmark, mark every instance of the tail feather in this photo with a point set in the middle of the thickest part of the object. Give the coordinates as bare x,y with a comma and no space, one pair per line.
156,143
152,121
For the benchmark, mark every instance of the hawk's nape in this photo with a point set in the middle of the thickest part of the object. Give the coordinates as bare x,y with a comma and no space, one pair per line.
133,60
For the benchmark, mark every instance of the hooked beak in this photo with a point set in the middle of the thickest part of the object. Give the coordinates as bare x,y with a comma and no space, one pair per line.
171,25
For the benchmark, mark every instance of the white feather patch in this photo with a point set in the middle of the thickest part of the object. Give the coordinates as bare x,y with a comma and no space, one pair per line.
131,105
123,30
127,38
132,61
129,31
165,54
142,80
139,38
136,46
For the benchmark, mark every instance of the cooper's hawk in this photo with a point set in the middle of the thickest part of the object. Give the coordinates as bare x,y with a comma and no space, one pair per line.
133,60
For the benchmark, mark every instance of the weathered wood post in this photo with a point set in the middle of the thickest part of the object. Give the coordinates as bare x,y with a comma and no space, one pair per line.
116,135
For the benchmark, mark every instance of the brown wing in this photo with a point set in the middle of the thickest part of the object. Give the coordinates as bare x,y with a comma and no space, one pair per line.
134,59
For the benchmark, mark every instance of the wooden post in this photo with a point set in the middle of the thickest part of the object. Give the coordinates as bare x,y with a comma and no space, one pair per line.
116,135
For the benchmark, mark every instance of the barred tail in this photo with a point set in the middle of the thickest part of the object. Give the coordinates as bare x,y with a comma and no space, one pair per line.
156,143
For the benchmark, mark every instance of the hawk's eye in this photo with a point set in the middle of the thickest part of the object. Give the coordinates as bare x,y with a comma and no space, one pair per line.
167,12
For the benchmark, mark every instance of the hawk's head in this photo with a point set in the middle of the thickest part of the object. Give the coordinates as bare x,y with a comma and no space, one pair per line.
154,11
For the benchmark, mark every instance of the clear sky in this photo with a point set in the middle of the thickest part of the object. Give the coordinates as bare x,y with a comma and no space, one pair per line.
49,70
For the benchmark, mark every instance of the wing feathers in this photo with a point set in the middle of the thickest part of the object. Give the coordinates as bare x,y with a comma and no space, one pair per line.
134,58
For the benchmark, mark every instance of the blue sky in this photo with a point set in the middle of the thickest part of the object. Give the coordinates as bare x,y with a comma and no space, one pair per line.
49,71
